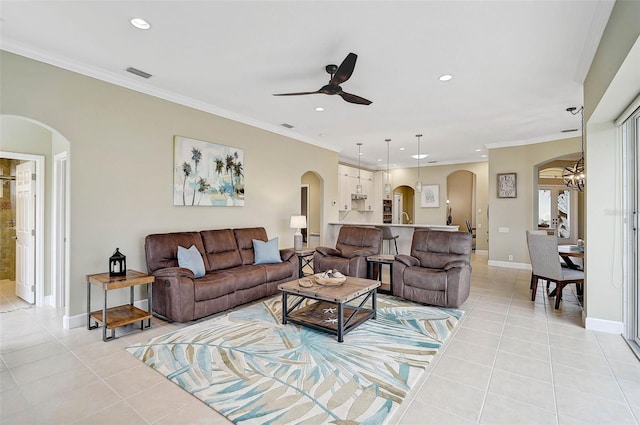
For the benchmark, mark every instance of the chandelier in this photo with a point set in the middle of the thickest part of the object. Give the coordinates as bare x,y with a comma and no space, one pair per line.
359,185
574,176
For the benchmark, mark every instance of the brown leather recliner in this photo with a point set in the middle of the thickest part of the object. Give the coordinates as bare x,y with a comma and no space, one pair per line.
353,246
438,271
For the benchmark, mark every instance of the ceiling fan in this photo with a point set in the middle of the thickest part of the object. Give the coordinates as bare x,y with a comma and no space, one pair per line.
339,74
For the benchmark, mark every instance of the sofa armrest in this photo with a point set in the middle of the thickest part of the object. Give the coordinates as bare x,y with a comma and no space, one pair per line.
325,250
286,253
174,293
455,264
408,260
173,272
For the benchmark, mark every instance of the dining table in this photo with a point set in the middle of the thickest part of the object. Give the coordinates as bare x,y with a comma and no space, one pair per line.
568,253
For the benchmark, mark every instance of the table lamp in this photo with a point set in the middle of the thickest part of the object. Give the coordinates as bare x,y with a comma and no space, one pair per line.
298,222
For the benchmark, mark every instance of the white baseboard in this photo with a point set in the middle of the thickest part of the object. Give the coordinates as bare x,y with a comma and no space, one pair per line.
80,320
602,325
510,265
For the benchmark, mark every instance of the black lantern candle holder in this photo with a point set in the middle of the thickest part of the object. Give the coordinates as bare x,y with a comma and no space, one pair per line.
117,264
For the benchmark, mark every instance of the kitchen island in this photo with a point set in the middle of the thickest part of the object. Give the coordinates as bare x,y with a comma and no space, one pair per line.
404,232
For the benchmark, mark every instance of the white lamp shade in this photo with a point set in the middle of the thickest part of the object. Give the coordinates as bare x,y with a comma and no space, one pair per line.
298,222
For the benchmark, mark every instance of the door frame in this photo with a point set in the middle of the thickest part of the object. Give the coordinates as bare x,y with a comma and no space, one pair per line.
60,225
39,217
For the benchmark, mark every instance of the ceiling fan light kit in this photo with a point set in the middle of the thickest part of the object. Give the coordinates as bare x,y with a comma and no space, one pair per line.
339,74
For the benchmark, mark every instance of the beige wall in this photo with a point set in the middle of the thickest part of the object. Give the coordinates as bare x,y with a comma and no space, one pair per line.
517,214
611,84
121,161
437,174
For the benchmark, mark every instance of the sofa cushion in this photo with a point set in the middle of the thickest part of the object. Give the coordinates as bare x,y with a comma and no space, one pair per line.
266,252
162,249
423,278
191,259
220,249
244,238
248,276
279,271
214,285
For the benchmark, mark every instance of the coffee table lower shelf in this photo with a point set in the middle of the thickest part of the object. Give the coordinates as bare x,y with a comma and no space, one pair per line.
121,316
334,318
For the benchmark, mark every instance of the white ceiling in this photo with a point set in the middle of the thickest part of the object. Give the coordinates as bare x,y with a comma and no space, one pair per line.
517,65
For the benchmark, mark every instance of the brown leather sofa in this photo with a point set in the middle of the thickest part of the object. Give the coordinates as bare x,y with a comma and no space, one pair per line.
349,257
438,271
231,277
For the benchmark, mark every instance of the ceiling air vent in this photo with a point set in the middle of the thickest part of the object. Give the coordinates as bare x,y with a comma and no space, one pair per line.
138,72
285,125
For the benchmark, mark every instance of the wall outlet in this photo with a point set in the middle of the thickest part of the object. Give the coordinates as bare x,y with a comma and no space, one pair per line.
503,229
510,257
479,225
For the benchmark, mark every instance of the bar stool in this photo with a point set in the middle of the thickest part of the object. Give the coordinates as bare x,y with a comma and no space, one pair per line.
388,236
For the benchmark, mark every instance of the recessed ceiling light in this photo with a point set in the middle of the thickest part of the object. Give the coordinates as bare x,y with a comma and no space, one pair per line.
319,109
379,160
445,77
401,149
478,150
140,23
483,156
421,156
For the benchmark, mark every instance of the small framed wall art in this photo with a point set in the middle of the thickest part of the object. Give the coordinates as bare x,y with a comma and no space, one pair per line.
507,185
430,196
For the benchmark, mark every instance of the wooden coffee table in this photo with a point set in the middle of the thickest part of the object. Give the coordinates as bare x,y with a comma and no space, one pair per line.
338,310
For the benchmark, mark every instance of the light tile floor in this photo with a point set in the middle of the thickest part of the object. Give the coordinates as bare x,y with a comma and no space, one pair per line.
509,361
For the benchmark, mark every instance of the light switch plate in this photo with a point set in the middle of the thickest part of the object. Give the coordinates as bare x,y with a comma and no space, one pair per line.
503,229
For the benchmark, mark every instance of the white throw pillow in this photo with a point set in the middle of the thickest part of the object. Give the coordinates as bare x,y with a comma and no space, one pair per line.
191,259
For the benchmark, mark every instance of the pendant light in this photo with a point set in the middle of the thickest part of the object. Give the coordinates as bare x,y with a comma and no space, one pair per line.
574,177
359,185
418,182
387,186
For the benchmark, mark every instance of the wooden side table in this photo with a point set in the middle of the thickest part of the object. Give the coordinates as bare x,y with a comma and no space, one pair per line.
114,317
305,258
381,260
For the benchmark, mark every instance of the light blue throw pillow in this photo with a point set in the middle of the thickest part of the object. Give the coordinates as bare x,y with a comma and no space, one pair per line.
191,259
266,252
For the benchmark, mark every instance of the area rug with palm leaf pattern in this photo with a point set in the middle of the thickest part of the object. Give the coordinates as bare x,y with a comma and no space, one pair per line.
254,370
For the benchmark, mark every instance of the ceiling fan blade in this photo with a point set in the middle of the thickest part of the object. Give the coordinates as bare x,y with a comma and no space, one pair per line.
344,70
296,94
352,98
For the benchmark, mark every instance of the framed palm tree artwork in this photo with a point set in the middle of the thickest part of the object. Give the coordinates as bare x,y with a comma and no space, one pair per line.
207,174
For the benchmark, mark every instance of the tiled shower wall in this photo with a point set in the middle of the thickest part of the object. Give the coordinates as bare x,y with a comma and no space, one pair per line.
7,221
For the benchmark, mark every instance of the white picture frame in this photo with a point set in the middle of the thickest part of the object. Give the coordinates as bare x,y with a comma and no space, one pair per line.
430,196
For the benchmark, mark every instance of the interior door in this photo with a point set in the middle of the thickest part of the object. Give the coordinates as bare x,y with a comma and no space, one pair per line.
25,232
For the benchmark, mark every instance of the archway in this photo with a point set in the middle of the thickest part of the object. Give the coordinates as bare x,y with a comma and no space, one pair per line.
311,205
461,198
403,205
24,139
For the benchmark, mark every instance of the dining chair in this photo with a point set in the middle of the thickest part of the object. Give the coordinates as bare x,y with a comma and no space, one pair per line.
473,234
545,264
